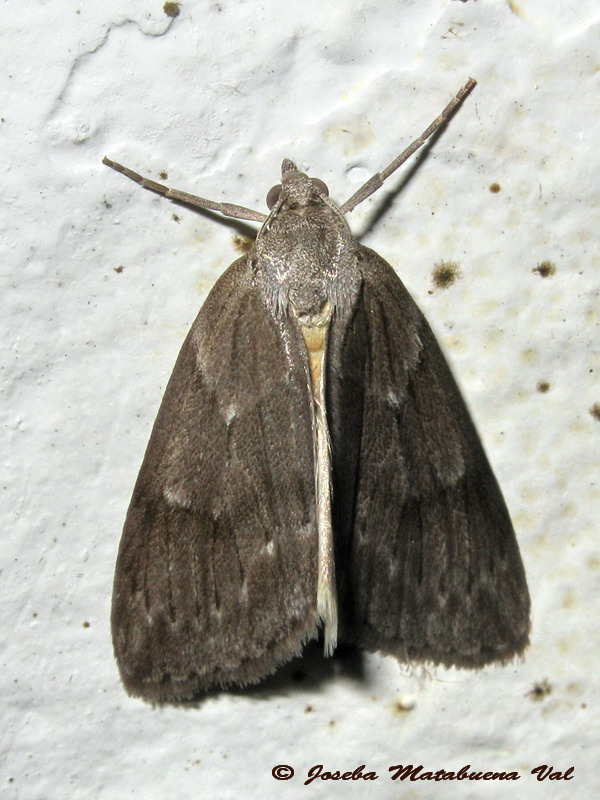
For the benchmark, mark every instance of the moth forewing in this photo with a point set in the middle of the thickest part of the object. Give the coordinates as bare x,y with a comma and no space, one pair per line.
315,332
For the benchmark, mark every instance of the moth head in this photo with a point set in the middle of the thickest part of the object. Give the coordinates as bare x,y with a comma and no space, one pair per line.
296,187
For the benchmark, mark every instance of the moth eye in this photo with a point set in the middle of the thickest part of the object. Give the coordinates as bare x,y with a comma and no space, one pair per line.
273,195
322,187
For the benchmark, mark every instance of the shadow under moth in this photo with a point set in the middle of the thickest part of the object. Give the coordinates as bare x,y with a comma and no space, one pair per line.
313,470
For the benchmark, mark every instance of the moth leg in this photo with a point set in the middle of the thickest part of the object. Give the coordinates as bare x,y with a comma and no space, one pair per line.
227,209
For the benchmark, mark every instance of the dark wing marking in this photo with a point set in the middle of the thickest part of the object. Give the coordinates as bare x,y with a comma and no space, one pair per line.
427,560
216,576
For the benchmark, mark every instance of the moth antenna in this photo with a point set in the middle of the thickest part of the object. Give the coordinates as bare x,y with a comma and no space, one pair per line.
377,180
227,209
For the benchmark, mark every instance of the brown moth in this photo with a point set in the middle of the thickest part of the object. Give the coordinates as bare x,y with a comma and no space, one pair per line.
312,466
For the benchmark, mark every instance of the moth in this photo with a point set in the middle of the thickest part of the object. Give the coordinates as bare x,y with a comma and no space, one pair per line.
313,471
